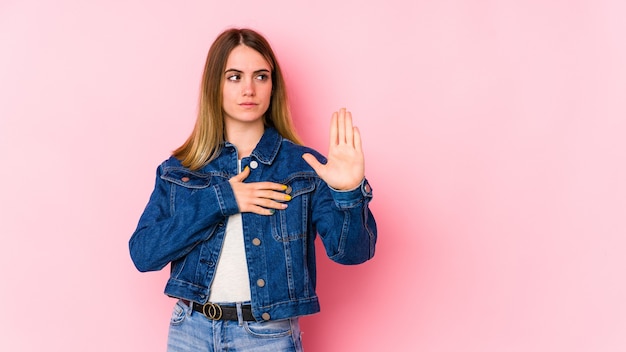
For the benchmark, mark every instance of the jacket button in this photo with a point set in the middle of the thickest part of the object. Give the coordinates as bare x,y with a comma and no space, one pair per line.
288,190
265,316
260,282
254,164
256,241
185,179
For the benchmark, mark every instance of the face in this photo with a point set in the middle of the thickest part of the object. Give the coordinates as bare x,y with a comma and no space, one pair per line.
247,88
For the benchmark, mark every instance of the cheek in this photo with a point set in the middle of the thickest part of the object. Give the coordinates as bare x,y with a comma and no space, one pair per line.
227,95
267,93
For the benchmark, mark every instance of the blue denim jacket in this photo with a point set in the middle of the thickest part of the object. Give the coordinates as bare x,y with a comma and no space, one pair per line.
185,219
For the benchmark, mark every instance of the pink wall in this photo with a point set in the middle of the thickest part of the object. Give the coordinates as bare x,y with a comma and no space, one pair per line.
494,135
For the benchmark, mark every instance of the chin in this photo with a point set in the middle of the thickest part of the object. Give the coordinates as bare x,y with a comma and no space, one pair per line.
247,119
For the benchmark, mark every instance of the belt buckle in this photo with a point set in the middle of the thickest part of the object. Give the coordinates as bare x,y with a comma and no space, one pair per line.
212,311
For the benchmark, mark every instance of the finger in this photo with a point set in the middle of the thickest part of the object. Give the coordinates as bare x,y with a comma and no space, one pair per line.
313,162
349,129
357,140
261,211
270,204
268,186
242,175
272,195
341,126
333,130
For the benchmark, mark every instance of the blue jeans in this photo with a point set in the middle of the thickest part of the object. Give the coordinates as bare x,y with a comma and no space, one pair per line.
191,331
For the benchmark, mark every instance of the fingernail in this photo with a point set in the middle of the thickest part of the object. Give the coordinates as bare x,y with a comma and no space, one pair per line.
287,197
272,211
284,187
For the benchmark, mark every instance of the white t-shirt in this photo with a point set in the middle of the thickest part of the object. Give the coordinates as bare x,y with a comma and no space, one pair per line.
231,282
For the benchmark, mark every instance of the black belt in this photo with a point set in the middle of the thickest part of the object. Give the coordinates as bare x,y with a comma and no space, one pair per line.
215,311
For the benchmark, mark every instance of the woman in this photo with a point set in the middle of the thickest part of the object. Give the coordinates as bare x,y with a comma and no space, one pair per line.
237,207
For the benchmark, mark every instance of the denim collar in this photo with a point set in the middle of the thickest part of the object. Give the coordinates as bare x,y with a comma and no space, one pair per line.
267,148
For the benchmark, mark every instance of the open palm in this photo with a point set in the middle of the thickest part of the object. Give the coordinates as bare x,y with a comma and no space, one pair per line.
345,167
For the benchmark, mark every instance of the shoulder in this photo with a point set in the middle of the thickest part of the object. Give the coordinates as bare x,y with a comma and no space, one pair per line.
290,148
173,171
171,162
289,159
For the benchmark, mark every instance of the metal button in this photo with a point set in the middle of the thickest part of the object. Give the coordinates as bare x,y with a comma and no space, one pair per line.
288,190
256,241
254,164
265,316
260,282
368,189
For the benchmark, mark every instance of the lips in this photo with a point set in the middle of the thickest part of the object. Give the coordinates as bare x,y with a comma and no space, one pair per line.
248,105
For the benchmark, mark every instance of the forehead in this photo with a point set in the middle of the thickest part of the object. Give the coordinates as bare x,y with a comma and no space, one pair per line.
244,58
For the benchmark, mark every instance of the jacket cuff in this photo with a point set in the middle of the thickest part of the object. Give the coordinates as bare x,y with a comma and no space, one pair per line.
226,199
352,198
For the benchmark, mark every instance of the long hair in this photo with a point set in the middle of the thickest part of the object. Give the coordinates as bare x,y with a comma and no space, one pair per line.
208,136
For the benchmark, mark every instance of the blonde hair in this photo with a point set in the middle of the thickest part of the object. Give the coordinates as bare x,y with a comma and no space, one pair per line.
208,136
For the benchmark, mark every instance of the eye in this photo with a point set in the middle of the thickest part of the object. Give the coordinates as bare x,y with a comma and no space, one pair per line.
234,77
262,77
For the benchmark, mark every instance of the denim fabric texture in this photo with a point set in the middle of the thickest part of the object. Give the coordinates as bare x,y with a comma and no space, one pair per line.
191,331
184,224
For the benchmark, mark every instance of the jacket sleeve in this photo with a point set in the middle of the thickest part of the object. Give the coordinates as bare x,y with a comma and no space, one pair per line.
345,223
165,232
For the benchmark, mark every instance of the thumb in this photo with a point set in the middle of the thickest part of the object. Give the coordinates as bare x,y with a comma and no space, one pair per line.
242,175
312,161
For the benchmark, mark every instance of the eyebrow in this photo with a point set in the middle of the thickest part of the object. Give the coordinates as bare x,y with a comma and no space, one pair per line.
239,71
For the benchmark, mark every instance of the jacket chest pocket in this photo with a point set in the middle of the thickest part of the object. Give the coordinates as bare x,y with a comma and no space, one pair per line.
292,223
184,183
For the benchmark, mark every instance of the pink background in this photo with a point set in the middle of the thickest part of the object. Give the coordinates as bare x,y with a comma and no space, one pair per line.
494,136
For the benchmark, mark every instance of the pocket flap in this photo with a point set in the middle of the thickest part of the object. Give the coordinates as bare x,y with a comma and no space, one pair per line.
298,186
186,178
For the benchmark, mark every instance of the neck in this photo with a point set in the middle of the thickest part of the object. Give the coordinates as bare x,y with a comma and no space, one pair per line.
245,136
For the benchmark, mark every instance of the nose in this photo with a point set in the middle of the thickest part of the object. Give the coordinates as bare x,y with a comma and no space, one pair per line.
248,88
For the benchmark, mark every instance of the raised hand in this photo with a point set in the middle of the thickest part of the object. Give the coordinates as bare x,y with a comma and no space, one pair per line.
345,168
258,197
